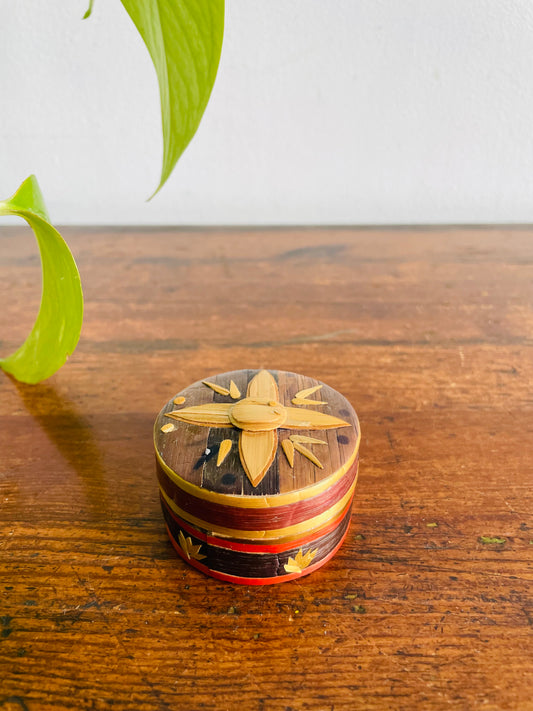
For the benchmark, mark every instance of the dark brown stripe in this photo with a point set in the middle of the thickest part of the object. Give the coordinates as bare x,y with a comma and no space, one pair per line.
241,580
256,519
255,565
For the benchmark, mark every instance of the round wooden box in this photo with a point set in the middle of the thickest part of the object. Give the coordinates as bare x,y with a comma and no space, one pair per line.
257,471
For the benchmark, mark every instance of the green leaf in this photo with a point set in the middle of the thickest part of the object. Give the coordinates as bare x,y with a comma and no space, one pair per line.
184,38
56,330
89,10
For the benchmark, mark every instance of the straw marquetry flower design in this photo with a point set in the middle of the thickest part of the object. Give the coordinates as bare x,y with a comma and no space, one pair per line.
300,561
189,548
258,416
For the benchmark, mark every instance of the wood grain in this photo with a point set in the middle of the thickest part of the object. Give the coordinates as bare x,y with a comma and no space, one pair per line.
429,333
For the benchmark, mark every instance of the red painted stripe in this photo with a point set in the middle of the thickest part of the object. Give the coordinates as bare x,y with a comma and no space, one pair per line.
254,547
255,581
252,519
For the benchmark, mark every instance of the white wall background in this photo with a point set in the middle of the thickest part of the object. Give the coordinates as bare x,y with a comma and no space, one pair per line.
324,111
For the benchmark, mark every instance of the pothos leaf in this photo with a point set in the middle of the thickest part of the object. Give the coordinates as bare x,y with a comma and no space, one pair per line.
89,10
56,330
184,39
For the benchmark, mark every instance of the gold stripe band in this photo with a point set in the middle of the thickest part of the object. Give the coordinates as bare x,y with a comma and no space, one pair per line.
280,535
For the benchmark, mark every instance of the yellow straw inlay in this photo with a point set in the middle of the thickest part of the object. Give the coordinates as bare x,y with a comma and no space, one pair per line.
280,535
224,450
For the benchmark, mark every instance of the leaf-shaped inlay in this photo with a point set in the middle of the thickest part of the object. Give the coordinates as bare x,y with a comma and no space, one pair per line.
288,448
306,440
308,391
307,453
213,414
300,562
234,391
191,550
306,401
224,450
257,451
217,388
311,420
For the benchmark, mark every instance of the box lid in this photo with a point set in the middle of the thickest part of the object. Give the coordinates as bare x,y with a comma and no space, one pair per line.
257,439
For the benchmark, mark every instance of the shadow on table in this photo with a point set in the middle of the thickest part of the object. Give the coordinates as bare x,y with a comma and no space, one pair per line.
73,437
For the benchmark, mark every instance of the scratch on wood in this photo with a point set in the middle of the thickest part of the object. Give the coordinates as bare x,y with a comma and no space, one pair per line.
393,447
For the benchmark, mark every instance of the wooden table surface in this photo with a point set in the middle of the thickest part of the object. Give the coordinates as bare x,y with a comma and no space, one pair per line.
429,333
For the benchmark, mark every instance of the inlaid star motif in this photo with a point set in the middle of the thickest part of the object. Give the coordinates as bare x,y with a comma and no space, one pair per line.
300,562
188,547
258,416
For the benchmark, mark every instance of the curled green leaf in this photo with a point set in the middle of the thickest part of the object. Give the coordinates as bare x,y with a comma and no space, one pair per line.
56,331
184,39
